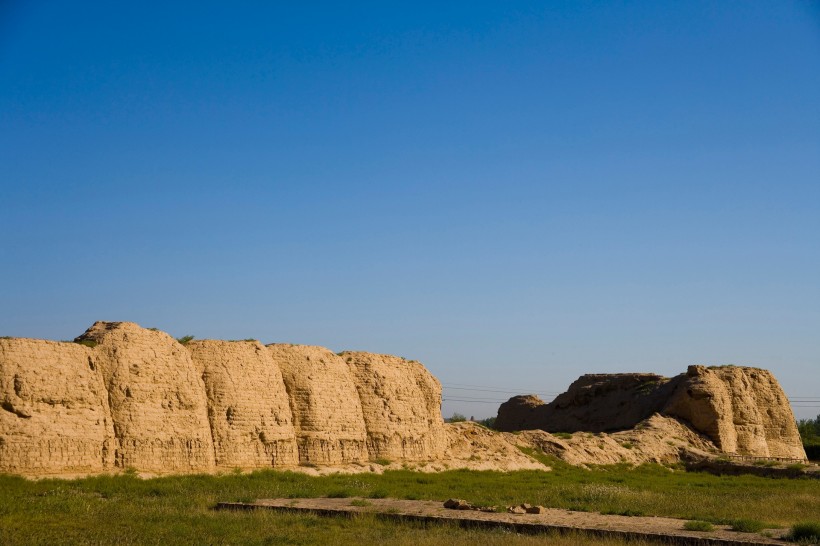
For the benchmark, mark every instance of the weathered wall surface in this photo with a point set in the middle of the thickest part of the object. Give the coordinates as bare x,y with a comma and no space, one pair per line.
742,410
54,415
608,402
401,404
156,396
248,408
327,414
592,403
125,396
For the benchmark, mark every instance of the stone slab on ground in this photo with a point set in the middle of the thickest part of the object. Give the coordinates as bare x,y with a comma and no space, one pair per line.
667,530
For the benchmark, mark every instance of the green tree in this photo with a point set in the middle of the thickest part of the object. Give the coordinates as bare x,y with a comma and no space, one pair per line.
489,422
810,436
809,429
456,418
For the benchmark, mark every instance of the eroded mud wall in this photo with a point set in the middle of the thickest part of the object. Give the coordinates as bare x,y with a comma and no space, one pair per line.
54,415
401,404
327,414
156,397
248,409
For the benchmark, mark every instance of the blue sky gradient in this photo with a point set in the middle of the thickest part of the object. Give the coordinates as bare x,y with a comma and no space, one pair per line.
512,193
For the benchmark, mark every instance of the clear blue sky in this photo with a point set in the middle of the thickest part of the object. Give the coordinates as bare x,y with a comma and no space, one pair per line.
514,193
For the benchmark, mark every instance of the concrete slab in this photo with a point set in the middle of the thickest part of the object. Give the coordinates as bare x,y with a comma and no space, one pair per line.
667,530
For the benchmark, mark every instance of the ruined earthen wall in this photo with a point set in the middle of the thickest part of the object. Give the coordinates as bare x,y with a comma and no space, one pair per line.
744,410
130,397
156,396
248,409
54,415
401,404
522,412
327,414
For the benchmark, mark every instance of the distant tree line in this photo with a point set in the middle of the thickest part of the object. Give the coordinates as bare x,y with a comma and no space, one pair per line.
810,434
489,422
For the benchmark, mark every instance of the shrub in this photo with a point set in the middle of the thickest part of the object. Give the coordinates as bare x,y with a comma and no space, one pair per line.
456,418
87,342
747,525
806,532
562,435
766,463
185,339
697,525
339,494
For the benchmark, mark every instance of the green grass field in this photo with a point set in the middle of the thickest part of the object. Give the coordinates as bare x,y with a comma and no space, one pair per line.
127,510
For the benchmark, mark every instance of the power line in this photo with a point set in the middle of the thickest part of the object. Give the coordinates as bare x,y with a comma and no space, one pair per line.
801,402
497,391
463,399
470,401
490,388
804,403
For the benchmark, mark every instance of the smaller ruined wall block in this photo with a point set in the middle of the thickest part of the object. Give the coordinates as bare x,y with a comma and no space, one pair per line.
742,410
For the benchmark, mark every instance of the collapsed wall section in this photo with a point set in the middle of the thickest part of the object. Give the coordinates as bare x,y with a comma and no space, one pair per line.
327,414
592,403
521,412
401,404
156,396
248,408
54,415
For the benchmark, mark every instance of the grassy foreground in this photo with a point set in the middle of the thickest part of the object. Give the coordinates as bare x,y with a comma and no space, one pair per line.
127,510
